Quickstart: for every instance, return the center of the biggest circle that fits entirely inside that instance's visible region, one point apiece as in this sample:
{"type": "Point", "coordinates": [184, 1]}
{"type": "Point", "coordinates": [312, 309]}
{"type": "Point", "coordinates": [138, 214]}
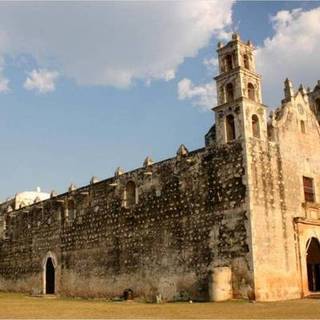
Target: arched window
{"type": "Point", "coordinates": [246, 61]}
{"type": "Point", "coordinates": [255, 126]}
{"type": "Point", "coordinates": [228, 63]}
{"type": "Point", "coordinates": [230, 128]}
{"type": "Point", "coordinates": [229, 92]}
{"type": "Point", "coordinates": [251, 93]}
{"type": "Point", "coordinates": [130, 194]}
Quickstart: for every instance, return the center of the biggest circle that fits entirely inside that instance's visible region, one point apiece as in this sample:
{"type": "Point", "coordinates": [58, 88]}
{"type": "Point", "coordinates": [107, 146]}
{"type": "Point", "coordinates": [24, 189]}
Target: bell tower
{"type": "Point", "coordinates": [239, 113]}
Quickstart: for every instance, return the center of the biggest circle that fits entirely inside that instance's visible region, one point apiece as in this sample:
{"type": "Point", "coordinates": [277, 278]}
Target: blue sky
{"type": "Point", "coordinates": [87, 88]}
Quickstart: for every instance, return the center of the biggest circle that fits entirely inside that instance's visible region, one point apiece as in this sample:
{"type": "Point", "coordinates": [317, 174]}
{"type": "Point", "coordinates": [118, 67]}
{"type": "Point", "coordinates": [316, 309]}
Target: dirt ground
{"type": "Point", "coordinates": [18, 306]}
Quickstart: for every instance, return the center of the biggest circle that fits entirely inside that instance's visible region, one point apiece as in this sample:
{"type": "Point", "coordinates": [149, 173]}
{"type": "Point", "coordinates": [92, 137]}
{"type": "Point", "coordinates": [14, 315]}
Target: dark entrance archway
{"type": "Point", "coordinates": [50, 277]}
{"type": "Point", "coordinates": [313, 264]}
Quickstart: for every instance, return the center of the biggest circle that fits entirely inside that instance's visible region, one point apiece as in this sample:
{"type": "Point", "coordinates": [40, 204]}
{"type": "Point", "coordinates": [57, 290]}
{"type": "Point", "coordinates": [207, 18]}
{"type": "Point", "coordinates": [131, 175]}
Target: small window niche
{"type": "Point", "coordinates": [230, 128]}
{"type": "Point", "coordinates": [130, 195]}
{"type": "Point", "coordinates": [71, 210]}
{"type": "Point", "coordinates": [255, 126]}
{"type": "Point", "coordinates": [308, 188]}
{"type": "Point", "coordinates": [230, 92]}
{"type": "Point", "coordinates": [251, 92]}
{"type": "Point", "coordinates": [222, 98]}
{"type": "Point", "coordinates": [246, 63]}
{"type": "Point", "coordinates": [302, 126]}
{"type": "Point", "coordinates": [228, 62]}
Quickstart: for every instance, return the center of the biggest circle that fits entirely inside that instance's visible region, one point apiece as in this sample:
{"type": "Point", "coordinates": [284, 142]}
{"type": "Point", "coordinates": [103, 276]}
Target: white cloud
{"type": "Point", "coordinates": [41, 80]}
{"type": "Point", "coordinates": [169, 75]}
{"type": "Point", "coordinates": [108, 43]}
{"type": "Point", "coordinates": [293, 52]}
{"type": "Point", "coordinates": [225, 35]}
{"type": "Point", "coordinates": [4, 84]}
{"type": "Point", "coordinates": [203, 96]}
{"type": "Point", "coordinates": [211, 63]}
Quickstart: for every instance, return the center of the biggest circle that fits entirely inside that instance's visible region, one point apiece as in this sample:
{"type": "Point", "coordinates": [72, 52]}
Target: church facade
{"type": "Point", "coordinates": [239, 218]}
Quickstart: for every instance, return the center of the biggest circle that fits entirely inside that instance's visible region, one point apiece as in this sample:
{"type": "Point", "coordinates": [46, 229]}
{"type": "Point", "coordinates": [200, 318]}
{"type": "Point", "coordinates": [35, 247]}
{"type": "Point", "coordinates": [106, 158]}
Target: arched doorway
{"type": "Point", "coordinates": [313, 264]}
{"type": "Point", "coordinates": [50, 277]}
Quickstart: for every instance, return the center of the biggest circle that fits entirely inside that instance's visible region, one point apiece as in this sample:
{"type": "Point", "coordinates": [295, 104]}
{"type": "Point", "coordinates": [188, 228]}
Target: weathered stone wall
{"type": "Point", "coordinates": [229, 211]}
{"type": "Point", "coordinates": [274, 257]}
{"type": "Point", "coordinates": [30, 233]}
{"type": "Point", "coordinates": [191, 216]}
{"type": "Point", "coordinates": [276, 170]}
{"type": "Point", "coordinates": [277, 157]}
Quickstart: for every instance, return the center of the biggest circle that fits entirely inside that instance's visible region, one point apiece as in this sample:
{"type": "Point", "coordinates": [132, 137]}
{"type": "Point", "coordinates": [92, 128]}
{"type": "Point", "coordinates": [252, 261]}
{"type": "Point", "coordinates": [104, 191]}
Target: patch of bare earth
{"type": "Point", "coordinates": [20, 306]}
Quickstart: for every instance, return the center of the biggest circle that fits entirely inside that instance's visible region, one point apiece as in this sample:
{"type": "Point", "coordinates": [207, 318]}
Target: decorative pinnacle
{"type": "Point", "coordinates": [235, 36]}
{"type": "Point", "coordinates": [119, 171]}
{"type": "Point", "coordinates": [148, 162]}
{"type": "Point", "coordinates": [288, 89]}
{"type": "Point", "coordinates": [72, 187]}
{"type": "Point", "coordinates": [37, 199]}
{"type": "Point", "coordinates": [94, 180]}
{"type": "Point", "coordinates": [302, 89]}
{"type": "Point", "coordinates": [53, 194]}
{"type": "Point", "coordinates": [288, 82]}
{"type": "Point", "coordinates": [182, 151]}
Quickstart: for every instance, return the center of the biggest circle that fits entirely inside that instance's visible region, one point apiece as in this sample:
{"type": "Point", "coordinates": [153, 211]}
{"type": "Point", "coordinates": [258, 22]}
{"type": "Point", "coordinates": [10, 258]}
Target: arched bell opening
{"type": "Point", "coordinates": [255, 126]}
{"type": "Point", "coordinates": [230, 128]}
{"type": "Point", "coordinates": [246, 62]}
{"type": "Point", "coordinates": [230, 92]}
{"type": "Point", "coordinates": [251, 92]}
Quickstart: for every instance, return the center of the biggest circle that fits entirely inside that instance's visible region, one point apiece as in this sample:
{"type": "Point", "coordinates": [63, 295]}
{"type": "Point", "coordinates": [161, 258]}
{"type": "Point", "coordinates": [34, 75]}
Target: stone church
{"type": "Point", "coordinates": [237, 218]}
